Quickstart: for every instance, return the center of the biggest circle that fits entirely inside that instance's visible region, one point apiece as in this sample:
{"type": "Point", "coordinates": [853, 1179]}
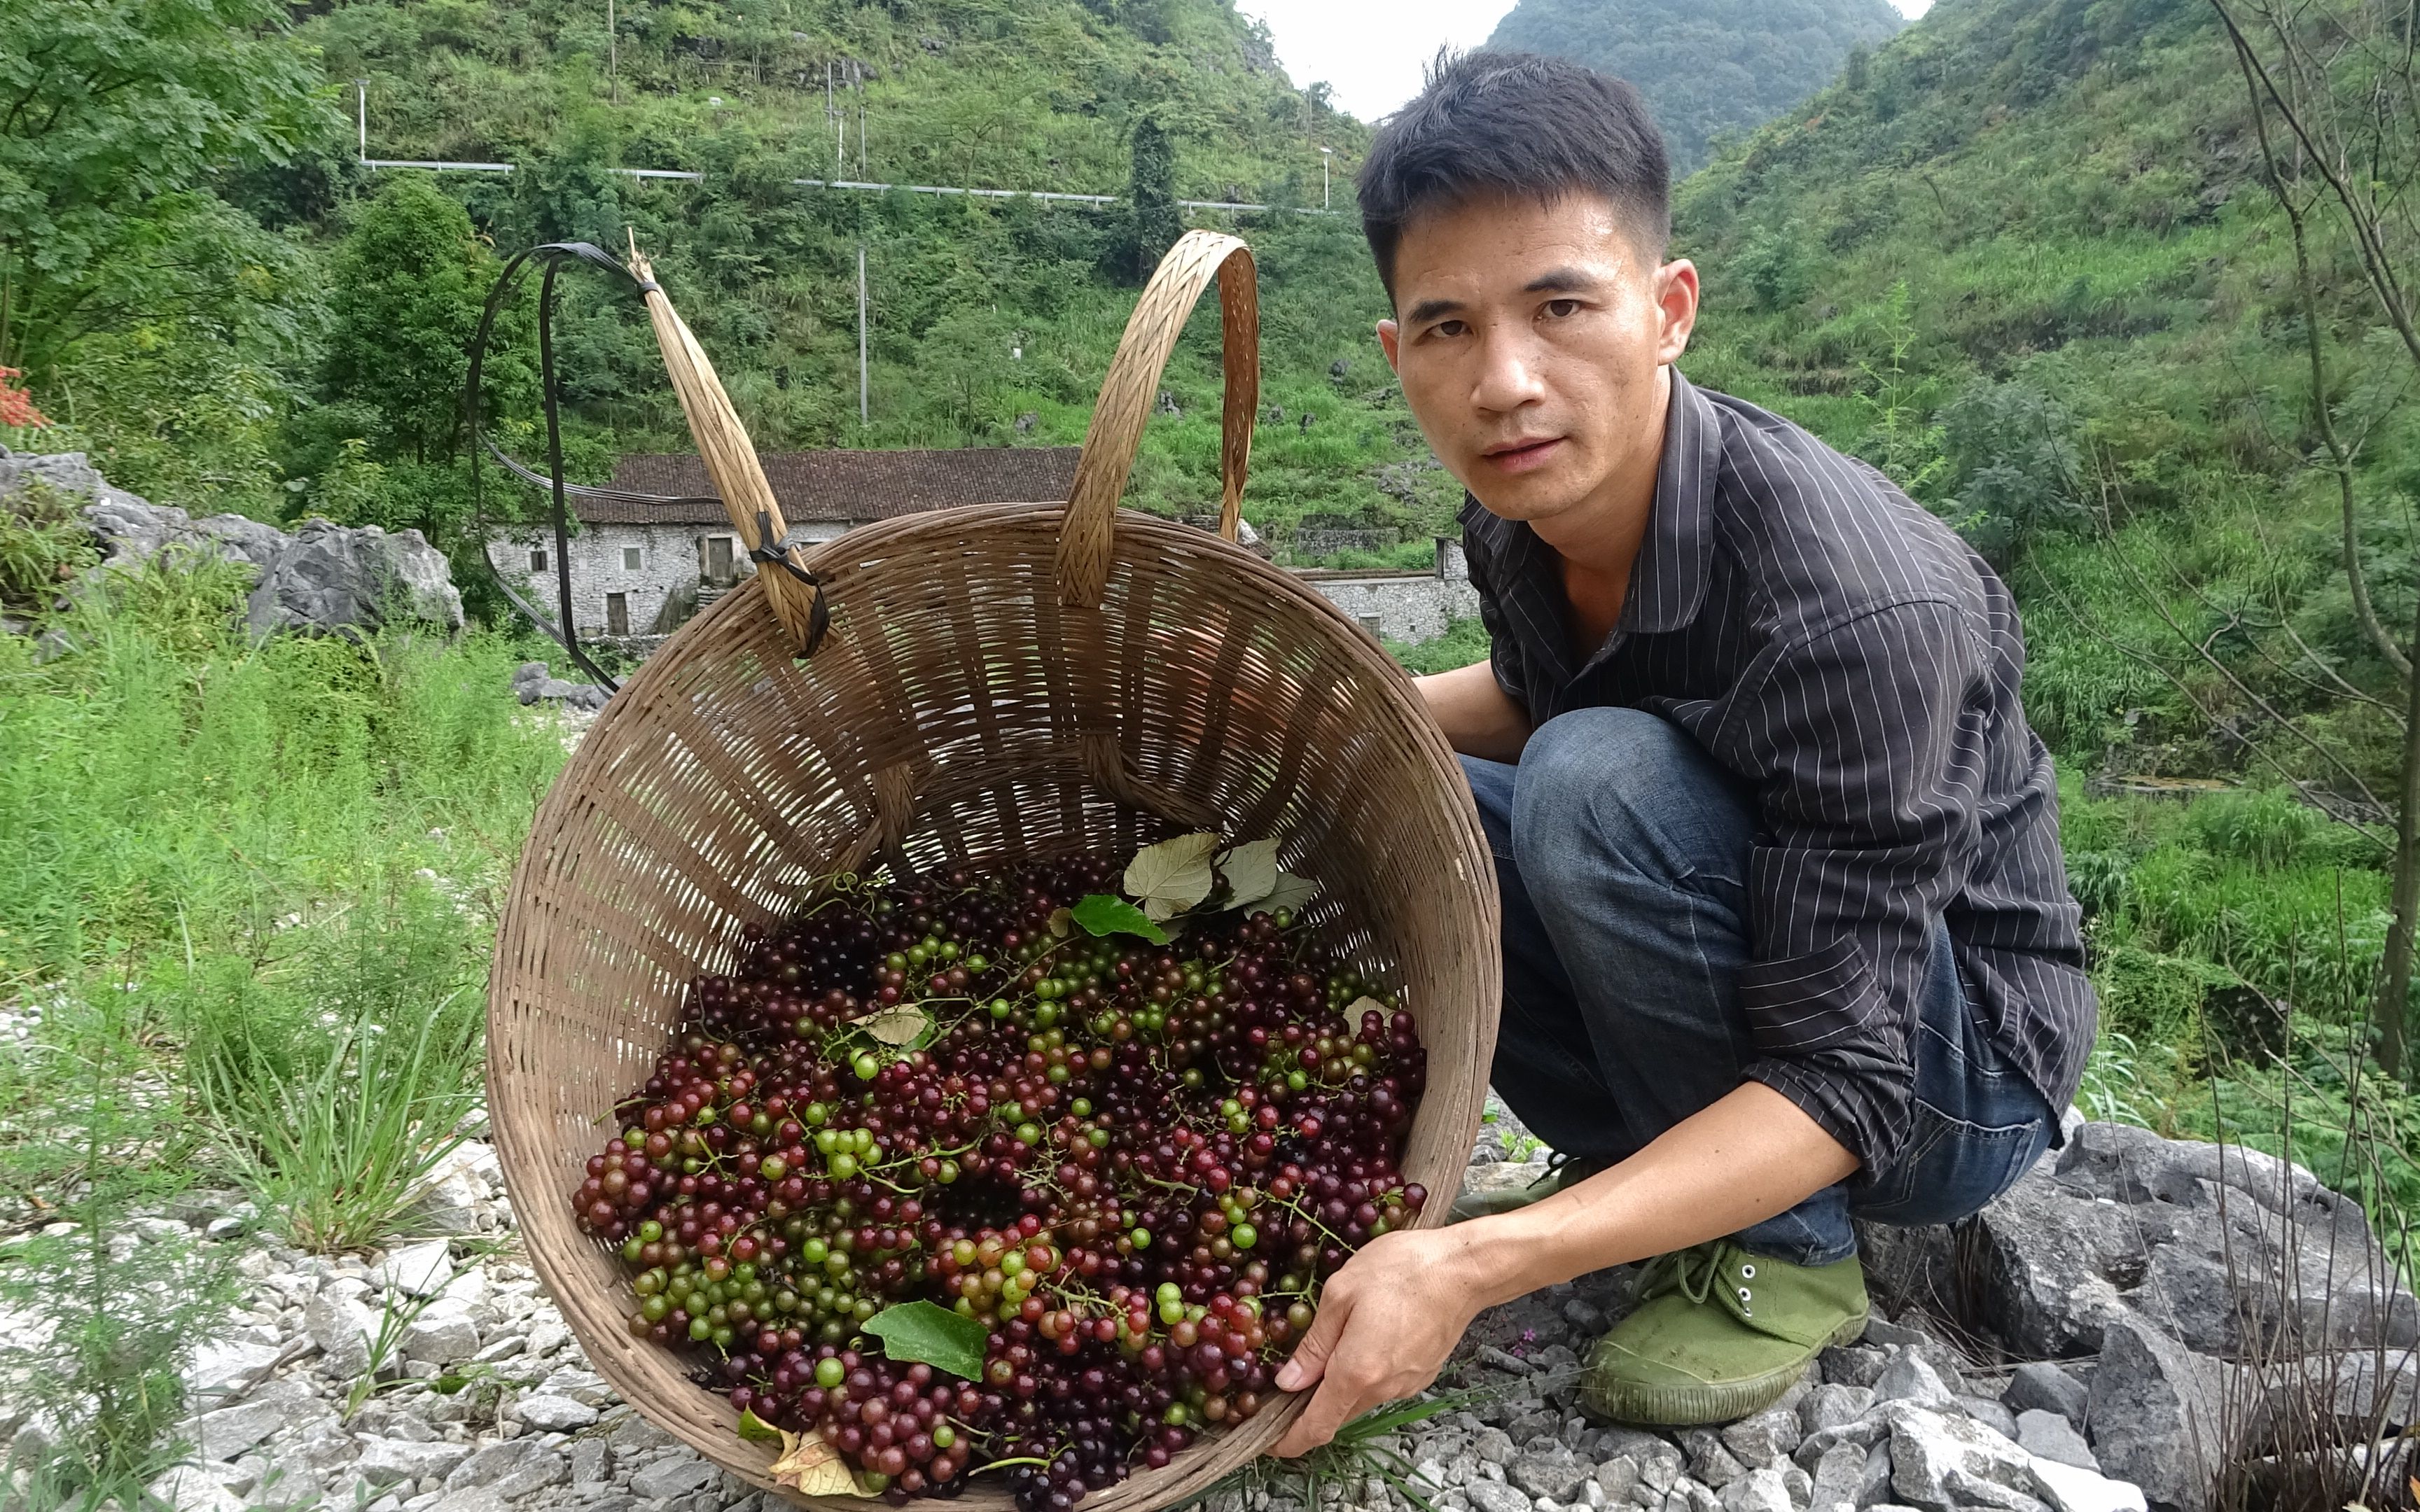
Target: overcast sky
{"type": "Point", "coordinates": [1371, 51]}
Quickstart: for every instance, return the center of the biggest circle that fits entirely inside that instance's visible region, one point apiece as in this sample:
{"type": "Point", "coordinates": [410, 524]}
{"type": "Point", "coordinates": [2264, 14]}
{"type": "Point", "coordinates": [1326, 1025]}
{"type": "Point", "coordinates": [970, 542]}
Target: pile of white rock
{"type": "Point", "coordinates": [437, 1377]}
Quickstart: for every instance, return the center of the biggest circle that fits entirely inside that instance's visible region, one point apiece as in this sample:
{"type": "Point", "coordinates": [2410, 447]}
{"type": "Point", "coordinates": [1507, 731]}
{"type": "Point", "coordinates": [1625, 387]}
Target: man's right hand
{"type": "Point", "coordinates": [1387, 1321]}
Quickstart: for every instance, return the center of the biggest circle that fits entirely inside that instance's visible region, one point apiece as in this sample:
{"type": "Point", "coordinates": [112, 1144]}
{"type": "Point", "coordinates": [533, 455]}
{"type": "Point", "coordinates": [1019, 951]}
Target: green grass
{"type": "Point", "coordinates": [255, 885]}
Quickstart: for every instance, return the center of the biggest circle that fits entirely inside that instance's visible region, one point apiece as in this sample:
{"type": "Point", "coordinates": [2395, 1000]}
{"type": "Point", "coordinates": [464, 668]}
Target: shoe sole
{"type": "Point", "coordinates": [1681, 1407]}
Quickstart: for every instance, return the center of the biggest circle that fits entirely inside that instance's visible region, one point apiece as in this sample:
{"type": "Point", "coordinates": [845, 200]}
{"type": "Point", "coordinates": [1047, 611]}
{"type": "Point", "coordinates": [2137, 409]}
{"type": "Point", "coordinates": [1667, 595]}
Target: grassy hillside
{"type": "Point", "coordinates": [324, 380]}
{"type": "Point", "coordinates": [1709, 69]}
{"type": "Point", "coordinates": [2022, 261]}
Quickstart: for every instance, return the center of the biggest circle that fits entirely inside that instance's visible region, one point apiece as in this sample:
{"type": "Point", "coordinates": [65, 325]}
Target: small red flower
{"type": "Point", "coordinates": [16, 405]}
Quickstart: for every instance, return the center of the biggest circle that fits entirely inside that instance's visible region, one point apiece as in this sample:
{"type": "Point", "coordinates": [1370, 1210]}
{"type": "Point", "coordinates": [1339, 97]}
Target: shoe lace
{"type": "Point", "coordinates": [1691, 1272]}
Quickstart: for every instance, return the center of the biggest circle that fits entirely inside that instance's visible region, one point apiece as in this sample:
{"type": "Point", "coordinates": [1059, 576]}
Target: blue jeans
{"type": "Point", "coordinates": [1621, 850]}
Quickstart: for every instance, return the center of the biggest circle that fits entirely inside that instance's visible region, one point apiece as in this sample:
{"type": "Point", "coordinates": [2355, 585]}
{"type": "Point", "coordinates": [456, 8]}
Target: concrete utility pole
{"type": "Point", "coordinates": [1324, 155]}
{"type": "Point", "coordinates": [612, 54]}
{"type": "Point", "coordinates": [862, 413]}
{"type": "Point", "coordinates": [362, 116]}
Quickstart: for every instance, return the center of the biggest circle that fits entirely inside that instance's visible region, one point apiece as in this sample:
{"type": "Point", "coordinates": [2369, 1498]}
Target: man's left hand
{"type": "Point", "coordinates": [1386, 1323]}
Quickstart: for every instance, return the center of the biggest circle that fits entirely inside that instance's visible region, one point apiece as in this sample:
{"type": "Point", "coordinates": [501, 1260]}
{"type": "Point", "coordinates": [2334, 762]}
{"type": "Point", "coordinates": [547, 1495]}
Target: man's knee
{"type": "Point", "coordinates": [1622, 782]}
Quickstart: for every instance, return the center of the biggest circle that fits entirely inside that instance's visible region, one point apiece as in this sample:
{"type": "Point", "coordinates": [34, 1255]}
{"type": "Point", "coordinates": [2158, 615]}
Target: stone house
{"type": "Point", "coordinates": [640, 570]}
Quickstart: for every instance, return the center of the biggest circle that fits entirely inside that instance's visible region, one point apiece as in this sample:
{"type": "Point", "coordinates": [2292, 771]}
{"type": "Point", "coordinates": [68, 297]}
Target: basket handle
{"type": "Point", "coordinates": [795, 593]}
{"type": "Point", "coordinates": [1085, 544]}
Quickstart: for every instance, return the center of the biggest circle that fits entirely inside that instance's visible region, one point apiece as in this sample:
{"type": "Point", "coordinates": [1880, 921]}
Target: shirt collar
{"type": "Point", "coordinates": [1667, 582]}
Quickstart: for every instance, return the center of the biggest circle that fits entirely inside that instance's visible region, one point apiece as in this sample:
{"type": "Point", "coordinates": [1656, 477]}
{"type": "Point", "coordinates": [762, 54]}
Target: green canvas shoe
{"type": "Point", "coordinates": [1719, 1334]}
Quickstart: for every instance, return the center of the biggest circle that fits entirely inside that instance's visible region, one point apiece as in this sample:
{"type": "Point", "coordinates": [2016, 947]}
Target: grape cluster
{"type": "Point", "coordinates": [1132, 1164]}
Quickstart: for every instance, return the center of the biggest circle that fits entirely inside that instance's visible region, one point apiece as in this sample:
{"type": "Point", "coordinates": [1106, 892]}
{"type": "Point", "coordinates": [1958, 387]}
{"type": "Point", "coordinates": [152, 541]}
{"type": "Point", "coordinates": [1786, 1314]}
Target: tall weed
{"type": "Point", "coordinates": [102, 1313]}
{"type": "Point", "coordinates": [335, 1080]}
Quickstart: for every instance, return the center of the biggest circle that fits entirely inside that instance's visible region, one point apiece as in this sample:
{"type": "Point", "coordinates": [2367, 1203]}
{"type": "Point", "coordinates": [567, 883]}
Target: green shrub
{"type": "Point", "coordinates": [44, 543]}
{"type": "Point", "coordinates": [335, 1079]}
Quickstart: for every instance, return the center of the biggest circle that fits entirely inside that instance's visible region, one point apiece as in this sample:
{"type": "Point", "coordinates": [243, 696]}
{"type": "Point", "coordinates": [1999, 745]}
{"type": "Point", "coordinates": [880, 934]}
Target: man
{"type": "Point", "coordinates": [1787, 934]}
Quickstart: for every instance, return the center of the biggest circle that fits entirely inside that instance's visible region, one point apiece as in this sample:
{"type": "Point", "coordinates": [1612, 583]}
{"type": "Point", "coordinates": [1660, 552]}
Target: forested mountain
{"type": "Point", "coordinates": [2028, 259]}
{"type": "Point", "coordinates": [301, 350]}
{"type": "Point", "coordinates": [1706, 67]}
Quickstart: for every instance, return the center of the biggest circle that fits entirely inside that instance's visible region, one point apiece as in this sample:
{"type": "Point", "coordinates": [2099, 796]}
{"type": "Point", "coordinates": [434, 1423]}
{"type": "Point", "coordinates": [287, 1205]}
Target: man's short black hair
{"type": "Point", "coordinates": [1518, 124]}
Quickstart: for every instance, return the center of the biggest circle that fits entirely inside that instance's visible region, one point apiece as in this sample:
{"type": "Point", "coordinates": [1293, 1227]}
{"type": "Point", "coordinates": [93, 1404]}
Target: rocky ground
{"type": "Point", "coordinates": [2124, 1272]}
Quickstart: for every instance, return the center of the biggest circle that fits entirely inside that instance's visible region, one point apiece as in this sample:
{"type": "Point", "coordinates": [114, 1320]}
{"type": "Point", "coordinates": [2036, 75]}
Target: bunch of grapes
{"type": "Point", "coordinates": [1128, 1164]}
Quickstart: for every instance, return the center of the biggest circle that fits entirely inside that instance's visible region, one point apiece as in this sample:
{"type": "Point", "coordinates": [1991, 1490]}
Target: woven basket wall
{"type": "Point", "coordinates": [996, 683]}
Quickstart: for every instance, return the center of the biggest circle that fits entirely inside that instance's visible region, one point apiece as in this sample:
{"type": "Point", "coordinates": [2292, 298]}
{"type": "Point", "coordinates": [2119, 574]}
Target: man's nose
{"type": "Point", "coordinates": [1510, 373]}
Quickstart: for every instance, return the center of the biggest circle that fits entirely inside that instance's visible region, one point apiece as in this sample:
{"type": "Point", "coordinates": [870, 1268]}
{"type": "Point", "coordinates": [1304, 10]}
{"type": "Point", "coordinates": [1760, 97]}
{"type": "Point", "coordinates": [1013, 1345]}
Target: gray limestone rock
{"type": "Point", "coordinates": [336, 577]}
{"type": "Point", "coordinates": [1766, 1440]}
{"type": "Point", "coordinates": [441, 1333]}
{"type": "Point", "coordinates": [1988, 1411]}
{"type": "Point", "coordinates": [1836, 1478]}
{"type": "Point", "coordinates": [1763, 1489]}
{"type": "Point", "coordinates": [1829, 1406]}
{"type": "Point", "coordinates": [344, 1329]}
{"type": "Point", "coordinates": [1909, 1379]}
{"type": "Point", "coordinates": [387, 1461]}
{"type": "Point", "coordinates": [554, 1415]}
{"type": "Point", "coordinates": [2155, 1415]}
{"type": "Point", "coordinates": [2068, 1489]}
{"type": "Point", "coordinates": [416, 1270]}
{"type": "Point", "coordinates": [1709, 1462]}
{"type": "Point", "coordinates": [1485, 1495]}
{"type": "Point", "coordinates": [222, 1373]}
{"type": "Point", "coordinates": [1857, 1365]}
{"type": "Point", "coordinates": [2051, 1436]}
{"type": "Point", "coordinates": [1548, 1471]}
{"type": "Point", "coordinates": [682, 1474]}
{"type": "Point", "coordinates": [2048, 1387]}
{"type": "Point", "coordinates": [1942, 1460]}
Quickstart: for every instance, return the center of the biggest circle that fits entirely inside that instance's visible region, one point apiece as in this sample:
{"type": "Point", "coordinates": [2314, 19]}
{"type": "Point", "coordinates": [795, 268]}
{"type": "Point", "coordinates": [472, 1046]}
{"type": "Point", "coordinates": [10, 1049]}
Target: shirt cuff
{"type": "Point", "coordinates": [1828, 1041]}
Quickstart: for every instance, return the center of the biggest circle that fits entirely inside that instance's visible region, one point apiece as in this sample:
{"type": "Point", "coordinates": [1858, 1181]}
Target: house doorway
{"type": "Point", "coordinates": [718, 564]}
{"type": "Point", "coordinates": [617, 614]}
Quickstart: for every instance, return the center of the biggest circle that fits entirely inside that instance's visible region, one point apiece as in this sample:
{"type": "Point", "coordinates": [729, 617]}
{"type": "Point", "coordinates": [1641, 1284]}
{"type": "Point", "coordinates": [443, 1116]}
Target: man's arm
{"type": "Point", "coordinates": [1389, 1318]}
{"type": "Point", "coordinates": [1479, 718]}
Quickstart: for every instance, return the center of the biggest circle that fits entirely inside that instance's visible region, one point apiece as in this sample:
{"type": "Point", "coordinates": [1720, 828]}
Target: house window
{"type": "Point", "coordinates": [538, 559]}
{"type": "Point", "coordinates": [630, 559]}
{"type": "Point", "coordinates": [617, 614]}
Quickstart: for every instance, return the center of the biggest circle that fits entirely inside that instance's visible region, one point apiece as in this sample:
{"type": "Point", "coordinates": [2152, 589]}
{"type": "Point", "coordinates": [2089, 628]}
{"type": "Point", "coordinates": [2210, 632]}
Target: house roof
{"type": "Point", "coordinates": [852, 487]}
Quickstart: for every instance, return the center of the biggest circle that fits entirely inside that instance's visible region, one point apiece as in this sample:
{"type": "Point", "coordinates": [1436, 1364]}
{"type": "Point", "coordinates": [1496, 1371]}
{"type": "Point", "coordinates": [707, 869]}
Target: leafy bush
{"type": "Point", "coordinates": [44, 543]}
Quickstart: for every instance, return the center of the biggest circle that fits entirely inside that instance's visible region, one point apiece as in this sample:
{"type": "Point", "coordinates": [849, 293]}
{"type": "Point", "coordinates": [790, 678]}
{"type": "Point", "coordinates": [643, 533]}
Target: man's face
{"type": "Point", "coordinates": [1530, 343]}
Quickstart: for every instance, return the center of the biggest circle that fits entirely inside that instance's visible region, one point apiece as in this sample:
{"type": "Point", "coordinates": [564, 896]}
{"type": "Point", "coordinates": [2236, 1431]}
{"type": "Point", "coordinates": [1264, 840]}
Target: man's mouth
{"type": "Point", "coordinates": [1521, 456]}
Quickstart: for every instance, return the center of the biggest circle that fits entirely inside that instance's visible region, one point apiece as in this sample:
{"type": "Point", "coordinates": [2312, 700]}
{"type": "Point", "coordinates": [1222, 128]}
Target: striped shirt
{"type": "Point", "coordinates": [1846, 655]}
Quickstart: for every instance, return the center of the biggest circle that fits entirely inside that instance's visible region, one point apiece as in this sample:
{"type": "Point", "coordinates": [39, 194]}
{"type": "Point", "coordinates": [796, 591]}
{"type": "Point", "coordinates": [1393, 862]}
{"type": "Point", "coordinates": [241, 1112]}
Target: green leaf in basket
{"type": "Point", "coordinates": [1251, 870]}
{"type": "Point", "coordinates": [911, 1330]}
{"type": "Point", "coordinates": [1290, 894]}
{"type": "Point", "coordinates": [756, 1431]}
{"type": "Point", "coordinates": [1175, 874]}
{"type": "Point", "coordinates": [1101, 914]}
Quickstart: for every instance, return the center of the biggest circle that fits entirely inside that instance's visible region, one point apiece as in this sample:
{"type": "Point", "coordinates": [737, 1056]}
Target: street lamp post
{"type": "Point", "coordinates": [1325, 154]}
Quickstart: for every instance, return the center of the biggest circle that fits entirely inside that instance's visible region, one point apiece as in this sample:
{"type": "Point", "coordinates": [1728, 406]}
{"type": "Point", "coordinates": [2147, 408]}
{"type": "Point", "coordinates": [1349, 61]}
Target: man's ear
{"type": "Point", "coordinates": [1389, 338]}
{"type": "Point", "coordinates": [1676, 301]}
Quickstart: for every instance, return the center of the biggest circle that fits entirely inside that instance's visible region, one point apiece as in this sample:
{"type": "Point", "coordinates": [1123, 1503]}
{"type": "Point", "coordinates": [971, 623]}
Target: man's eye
{"type": "Point", "coordinates": [1562, 309]}
{"type": "Point", "coordinates": [1447, 328]}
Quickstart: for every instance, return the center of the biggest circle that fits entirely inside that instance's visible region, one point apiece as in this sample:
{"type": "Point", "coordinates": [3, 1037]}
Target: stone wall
{"type": "Point", "coordinates": [669, 559]}
{"type": "Point", "coordinates": [1409, 607]}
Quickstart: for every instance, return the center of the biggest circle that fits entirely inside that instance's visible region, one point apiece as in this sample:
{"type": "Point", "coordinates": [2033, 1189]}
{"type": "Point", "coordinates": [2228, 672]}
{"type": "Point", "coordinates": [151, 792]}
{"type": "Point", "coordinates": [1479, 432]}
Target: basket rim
{"type": "Point", "coordinates": [836, 562]}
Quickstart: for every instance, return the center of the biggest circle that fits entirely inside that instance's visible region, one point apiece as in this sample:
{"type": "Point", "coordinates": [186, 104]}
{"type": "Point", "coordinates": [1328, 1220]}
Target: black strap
{"type": "Point", "coordinates": [550, 258]}
{"type": "Point", "coordinates": [773, 553]}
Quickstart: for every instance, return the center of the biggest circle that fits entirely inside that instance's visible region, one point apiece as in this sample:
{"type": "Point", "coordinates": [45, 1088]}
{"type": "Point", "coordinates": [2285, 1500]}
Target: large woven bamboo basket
{"type": "Point", "coordinates": [993, 683]}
